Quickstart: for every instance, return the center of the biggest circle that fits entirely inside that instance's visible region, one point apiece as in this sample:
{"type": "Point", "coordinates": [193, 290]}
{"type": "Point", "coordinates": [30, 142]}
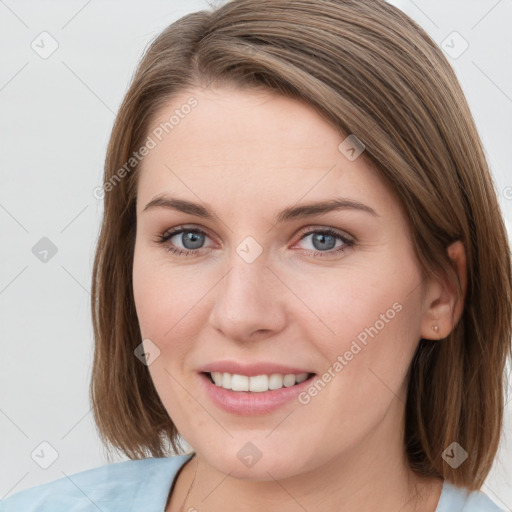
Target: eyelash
{"type": "Point", "coordinates": [163, 238]}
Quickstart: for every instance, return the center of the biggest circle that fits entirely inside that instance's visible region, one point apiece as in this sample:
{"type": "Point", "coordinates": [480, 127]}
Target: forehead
{"type": "Point", "coordinates": [250, 146]}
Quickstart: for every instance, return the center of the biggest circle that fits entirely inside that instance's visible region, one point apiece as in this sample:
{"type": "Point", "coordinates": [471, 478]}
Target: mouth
{"type": "Point", "coordinates": [256, 388]}
{"type": "Point", "coordinates": [256, 383]}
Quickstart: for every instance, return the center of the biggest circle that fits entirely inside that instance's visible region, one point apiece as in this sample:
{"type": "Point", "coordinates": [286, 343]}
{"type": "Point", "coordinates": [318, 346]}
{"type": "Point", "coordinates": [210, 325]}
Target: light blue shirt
{"type": "Point", "coordinates": [144, 486]}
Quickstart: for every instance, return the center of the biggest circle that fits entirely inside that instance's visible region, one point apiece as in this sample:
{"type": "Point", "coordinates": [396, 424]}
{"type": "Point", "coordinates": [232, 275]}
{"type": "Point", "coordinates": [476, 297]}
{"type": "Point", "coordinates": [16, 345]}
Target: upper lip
{"type": "Point", "coordinates": [251, 369]}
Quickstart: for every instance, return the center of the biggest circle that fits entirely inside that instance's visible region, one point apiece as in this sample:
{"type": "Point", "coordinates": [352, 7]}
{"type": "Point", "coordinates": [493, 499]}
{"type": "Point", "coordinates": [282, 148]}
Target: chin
{"type": "Point", "coordinates": [256, 461]}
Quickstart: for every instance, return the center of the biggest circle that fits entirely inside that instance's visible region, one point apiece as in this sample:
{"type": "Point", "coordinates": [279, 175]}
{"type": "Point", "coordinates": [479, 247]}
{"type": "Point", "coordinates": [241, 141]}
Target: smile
{"type": "Point", "coordinates": [244, 395]}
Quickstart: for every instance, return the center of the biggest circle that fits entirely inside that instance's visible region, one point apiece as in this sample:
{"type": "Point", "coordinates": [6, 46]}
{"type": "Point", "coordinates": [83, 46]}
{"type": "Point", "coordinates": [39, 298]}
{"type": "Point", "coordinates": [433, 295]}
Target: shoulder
{"type": "Point", "coordinates": [459, 499]}
{"type": "Point", "coordinates": [110, 488]}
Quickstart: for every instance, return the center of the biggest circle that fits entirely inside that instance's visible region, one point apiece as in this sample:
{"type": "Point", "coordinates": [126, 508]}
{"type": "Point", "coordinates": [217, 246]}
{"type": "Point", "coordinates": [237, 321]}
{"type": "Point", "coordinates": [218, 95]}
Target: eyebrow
{"type": "Point", "coordinates": [288, 214]}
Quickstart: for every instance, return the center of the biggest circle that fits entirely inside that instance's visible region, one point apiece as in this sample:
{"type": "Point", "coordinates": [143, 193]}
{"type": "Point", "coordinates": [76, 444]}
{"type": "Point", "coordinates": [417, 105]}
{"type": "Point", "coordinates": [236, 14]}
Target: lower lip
{"type": "Point", "coordinates": [249, 403]}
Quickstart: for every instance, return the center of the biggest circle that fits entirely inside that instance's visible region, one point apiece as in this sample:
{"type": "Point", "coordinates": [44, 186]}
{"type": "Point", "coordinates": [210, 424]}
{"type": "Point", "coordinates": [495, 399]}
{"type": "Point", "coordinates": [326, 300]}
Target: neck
{"type": "Point", "coordinates": [374, 475]}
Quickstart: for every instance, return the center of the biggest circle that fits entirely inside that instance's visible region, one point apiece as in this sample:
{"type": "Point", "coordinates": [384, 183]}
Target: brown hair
{"type": "Point", "coordinates": [372, 72]}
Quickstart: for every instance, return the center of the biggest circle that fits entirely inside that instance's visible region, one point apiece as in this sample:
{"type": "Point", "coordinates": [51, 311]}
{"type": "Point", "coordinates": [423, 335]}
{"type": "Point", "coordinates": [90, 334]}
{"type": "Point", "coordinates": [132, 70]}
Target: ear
{"type": "Point", "coordinates": [443, 308]}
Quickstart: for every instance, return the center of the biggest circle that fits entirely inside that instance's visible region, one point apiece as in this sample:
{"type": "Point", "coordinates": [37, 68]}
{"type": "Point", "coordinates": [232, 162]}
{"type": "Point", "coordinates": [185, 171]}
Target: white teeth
{"type": "Point", "coordinates": [289, 380]}
{"type": "Point", "coordinates": [217, 378]}
{"type": "Point", "coordinates": [239, 383]}
{"type": "Point", "coordinates": [258, 383]}
{"type": "Point", "coordinates": [226, 380]}
{"type": "Point", "coordinates": [275, 381]}
{"type": "Point", "coordinates": [301, 378]}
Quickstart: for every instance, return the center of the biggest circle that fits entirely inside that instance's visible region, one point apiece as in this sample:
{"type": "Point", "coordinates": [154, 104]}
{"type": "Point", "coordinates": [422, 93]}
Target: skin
{"type": "Point", "coordinates": [246, 155]}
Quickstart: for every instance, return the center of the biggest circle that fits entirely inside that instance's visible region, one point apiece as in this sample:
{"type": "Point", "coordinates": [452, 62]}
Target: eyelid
{"type": "Point", "coordinates": [321, 228]}
{"type": "Point", "coordinates": [185, 227]}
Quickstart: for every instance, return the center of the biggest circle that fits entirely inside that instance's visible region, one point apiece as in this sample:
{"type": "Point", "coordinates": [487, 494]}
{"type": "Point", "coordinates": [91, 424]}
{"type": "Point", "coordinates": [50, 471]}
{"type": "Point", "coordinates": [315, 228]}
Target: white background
{"type": "Point", "coordinates": [57, 114]}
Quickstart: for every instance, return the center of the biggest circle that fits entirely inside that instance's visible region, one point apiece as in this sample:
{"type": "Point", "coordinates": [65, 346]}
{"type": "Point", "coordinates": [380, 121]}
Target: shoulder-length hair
{"type": "Point", "coordinates": [372, 72]}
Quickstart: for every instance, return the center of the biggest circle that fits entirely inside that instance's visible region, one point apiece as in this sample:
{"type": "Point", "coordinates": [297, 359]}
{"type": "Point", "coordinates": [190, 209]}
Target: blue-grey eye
{"type": "Point", "coordinates": [322, 242]}
{"type": "Point", "coordinates": [192, 239]}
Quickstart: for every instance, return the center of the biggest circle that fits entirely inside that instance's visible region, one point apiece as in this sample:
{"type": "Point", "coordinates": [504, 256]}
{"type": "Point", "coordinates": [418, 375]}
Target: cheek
{"type": "Point", "coordinates": [167, 301]}
{"type": "Point", "coordinates": [345, 306]}
{"type": "Point", "coordinates": [168, 308]}
{"type": "Point", "coordinates": [365, 324]}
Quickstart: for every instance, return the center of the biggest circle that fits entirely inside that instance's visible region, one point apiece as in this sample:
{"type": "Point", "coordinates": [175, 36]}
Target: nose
{"type": "Point", "coordinates": [248, 302]}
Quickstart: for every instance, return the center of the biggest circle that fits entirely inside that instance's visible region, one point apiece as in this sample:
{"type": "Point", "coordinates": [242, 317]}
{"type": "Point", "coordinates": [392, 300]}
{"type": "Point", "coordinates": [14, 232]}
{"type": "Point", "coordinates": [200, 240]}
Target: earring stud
{"type": "Point", "coordinates": [435, 328]}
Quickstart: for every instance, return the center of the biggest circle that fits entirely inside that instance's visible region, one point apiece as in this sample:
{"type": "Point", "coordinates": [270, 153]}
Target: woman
{"type": "Point", "coordinates": [302, 271]}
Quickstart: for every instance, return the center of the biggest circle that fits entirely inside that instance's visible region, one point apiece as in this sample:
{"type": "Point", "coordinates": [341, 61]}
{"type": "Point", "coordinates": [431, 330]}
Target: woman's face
{"type": "Point", "coordinates": [290, 257]}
